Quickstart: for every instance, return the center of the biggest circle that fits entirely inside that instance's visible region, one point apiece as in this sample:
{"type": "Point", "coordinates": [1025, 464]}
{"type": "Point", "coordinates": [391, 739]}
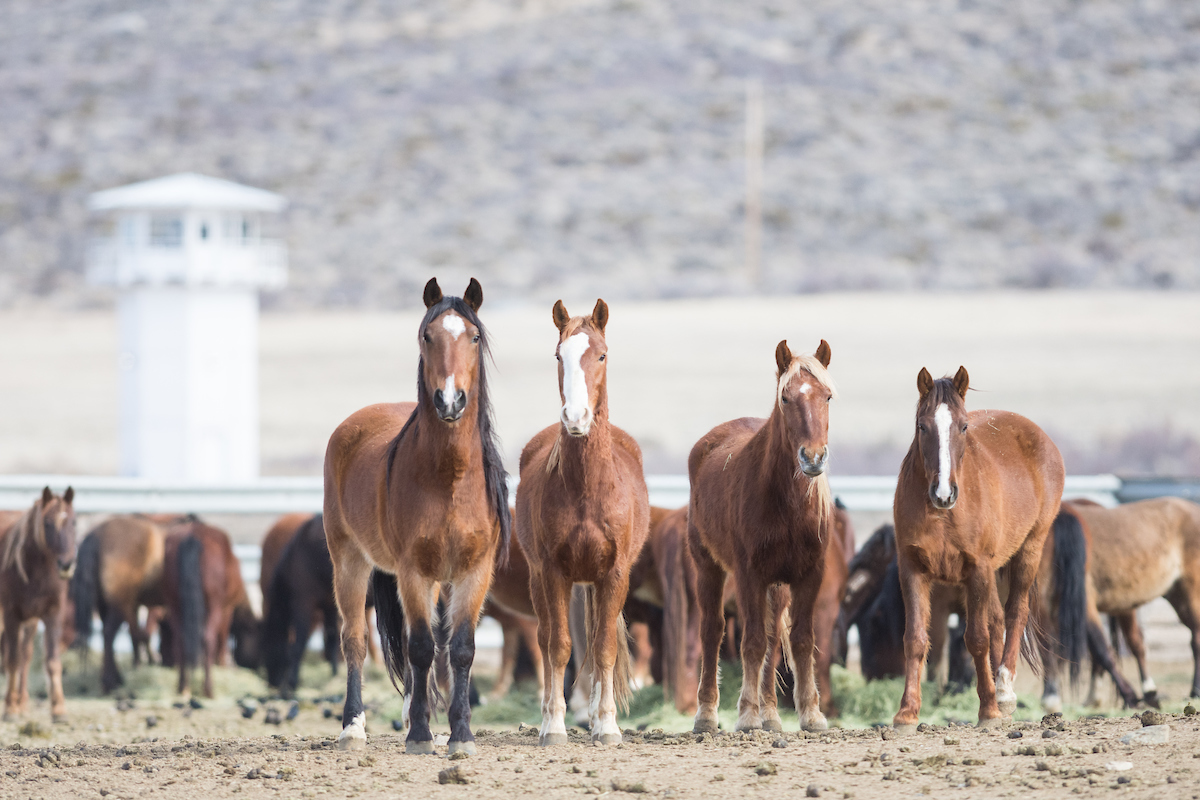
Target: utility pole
{"type": "Point", "coordinates": [754, 179]}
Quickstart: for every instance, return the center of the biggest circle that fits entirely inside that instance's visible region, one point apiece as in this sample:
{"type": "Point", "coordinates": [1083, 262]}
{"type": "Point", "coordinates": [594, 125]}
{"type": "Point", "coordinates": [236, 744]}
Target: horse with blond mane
{"type": "Point", "coordinates": [761, 509]}
{"type": "Point", "coordinates": [417, 492]}
{"type": "Point", "coordinates": [977, 491]}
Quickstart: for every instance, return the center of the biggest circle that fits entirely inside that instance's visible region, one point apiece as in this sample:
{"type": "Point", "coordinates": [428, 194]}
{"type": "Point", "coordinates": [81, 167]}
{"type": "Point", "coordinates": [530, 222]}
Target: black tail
{"type": "Point", "coordinates": [389, 619]}
{"type": "Point", "coordinates": [1070, 586]}
{"type": "Point", "coordinates": [191, 599]}
{"type": "Point", "coordinates": [275, 629]}
{"type": "Point", "coordinates": [85, 589]}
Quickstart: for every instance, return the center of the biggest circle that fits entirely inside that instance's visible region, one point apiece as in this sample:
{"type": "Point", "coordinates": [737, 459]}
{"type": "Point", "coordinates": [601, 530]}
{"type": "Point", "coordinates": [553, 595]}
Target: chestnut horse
{"type": "Point", "coordinates": [761, 509]}
{"type": "Point", "coordinates": [977, 491]}
{"type": "Point", "coordinates": [418, 491]}
{"type": "Point", "coordinates": [510, 604]}
{"type": "Point", "coordinates": [206, 600]}
{"type": "Point", "coordinates": [119, 569]}
{"type": "Point", "coordinates": [583, 514]}
{"type": "Point", "coordinates": [37, 557]}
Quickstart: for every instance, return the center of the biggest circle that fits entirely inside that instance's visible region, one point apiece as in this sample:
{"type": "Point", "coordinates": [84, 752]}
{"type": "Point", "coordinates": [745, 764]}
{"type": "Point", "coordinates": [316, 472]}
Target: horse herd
{"type": "Point", "coordinates": [417, 523]}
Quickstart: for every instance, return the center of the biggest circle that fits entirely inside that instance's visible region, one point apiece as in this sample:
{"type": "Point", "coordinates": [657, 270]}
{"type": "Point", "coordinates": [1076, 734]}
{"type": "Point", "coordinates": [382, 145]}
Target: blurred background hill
{"type": "Point", "coordinates": [597, 144]}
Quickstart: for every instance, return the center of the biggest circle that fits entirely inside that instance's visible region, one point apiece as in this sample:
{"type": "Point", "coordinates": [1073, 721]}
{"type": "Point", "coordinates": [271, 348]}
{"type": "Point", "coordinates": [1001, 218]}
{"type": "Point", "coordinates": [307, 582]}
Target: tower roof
{"type": "Point", "coordinates": [187, 190]}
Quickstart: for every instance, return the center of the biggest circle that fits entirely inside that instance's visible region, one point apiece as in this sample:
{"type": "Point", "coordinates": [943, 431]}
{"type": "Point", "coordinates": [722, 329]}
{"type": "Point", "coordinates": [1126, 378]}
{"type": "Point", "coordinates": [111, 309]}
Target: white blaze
{"type": "Point", "coordinates": [454, 325]}
{"type": "Point", "coordinates": [942, 418]}
{"type": "Point", "coordinates": [575, 390]}
{"type": "Point", "coordinates": [805, 388]}
{"type": "Point", "coordinates": [448, 389]}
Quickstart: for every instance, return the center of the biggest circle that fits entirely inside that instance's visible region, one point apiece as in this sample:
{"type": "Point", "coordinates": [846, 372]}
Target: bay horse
{"type": "Point", "coordinates": [418, 492]}
{"type": "Point", "coordinates": [206, 601]}
{"type": "Point", "coordinates": [977, 491]}
{"type": "Point", "coordinates": [37, 557]}
{"type": "Point", "coordinates": [273, 544]}
{"type": "Point", "coordinates": [1140, 551]}
{"type": "Point", "coordinates": [119, 570]}
{"type": "Point", "coordinates": [583, 514]}
{"type": "Point", "coordinates": [761, 509]}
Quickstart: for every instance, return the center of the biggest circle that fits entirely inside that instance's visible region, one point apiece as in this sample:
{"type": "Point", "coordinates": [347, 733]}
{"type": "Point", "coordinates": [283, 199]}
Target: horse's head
{"type": "Point", "coordinates": [58, 529]}
{"type": "Point", "coordinates": [942, 433]}
{"type": "Point", "coordinates": [582, 368]}
{"type": "Point", "coordinates": [802, 398]}
{"type": "Point", "coordinates": [450, 339]}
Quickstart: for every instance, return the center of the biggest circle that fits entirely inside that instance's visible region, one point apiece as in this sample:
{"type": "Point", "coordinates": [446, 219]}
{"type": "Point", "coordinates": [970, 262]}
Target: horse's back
{"type": "Point", "coordinates": [274, 543]}
{"type": "Point", "coordinates": [358, 445]}
{"type": "Point", "coordinates": [725, 440]}
{"type": "Point", "coordinates": [132, 551]}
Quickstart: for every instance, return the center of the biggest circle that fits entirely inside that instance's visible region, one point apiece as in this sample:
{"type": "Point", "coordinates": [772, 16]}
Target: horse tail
{"type": "Point", "coordinates": [1070, 588]}
{"type": "Point", "coordinates": [622, 670]}
{"type": "Point", "coordinates": [1035, 638]}
{"type": "Point", "coordinates": [389, 618]}
{"type": "Point", "coordinates": [85, 589]}
{"type": "Point", "coordinates": [191, 598]}
{"type": "Point", "coordinates": [275, 628]}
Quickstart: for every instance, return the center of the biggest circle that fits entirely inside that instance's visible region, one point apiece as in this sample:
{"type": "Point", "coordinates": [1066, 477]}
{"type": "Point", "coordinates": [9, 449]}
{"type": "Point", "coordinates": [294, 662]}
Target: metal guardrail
{"type": "Point", "coordinates": [111, 495]}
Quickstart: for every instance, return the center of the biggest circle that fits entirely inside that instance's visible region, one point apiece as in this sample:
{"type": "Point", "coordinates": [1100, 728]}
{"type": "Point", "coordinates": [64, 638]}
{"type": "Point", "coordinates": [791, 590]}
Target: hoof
{"type": "Point", "coordinates": [817, 722]}
{"type": "Point", "coordinates": [58, 719]}
{"type": "Point", "coordinates": [774, 725]}
{"type": "Point", "coordinates": [553, 739]}
{"type": "Point", "coordinates": [991, 722]}
{"type": "Point", "coordinates": [352, 738]}
{"type": "Point", "coordinates": [1151, 699]}
{"type": "Point", "coordinates": [607, 738]}
{"type": "Point", "coordinates": [705, 726]}
{"type": "Point", "coordinates": [1052, 704]}
{"type": "Point", "coordinates": [462, 747]}
{"type": "Point", "coordinates": [419, 748]}
{"type": "Point", "coordinates": [905, 728]}
{"type": "Point", "coordinates": [1007, 705]}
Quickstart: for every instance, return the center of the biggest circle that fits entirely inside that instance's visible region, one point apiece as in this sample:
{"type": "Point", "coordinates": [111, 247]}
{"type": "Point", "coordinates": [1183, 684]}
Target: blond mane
{"type": "Point", "coordinates": [31, 523]}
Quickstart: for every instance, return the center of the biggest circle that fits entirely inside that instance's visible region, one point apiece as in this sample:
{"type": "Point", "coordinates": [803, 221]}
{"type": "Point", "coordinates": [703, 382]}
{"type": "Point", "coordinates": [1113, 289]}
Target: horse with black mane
{"type": "Point", "coordinates": [417, 492]}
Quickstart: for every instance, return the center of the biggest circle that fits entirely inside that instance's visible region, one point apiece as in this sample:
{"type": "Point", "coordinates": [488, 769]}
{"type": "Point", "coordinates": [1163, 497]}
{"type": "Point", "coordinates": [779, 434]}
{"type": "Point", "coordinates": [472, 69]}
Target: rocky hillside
{"type": "Point", "coordinates": [597, 144]}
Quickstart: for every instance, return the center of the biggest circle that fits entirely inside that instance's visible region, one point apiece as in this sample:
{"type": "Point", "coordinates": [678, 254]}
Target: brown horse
{"type": "Point", "coordinates": [1140, 551]}
{"type": "Point", "coordinates": [418, 491]}
{"type": "Point", "coordinates": [977, 491]}
{"type": "Point", "coordinates": [37, 557]}
{"type": "Point", "coordinates": [761, 509]}
{"type": "Point", "coordinates": [583, 514]}
{"type": "Point", "coordinates": [676, 580]}
{"type": "Point", "coordinates": [273, 545]}
{"type": "Point", "coordinates": [206, 600]}
{"type": "Point", "coordinates": [119, 569]}
{"type": "Point", "coordinates": [510, 604]}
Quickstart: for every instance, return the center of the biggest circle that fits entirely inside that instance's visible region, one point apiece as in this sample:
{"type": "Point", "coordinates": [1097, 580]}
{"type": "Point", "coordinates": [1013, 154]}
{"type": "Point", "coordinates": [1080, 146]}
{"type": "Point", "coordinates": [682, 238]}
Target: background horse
{"type": "Point", "coordinates": [273, 545]}
{"type": "Point", "coordinates": [510, 604]}
{"type": "Point", "coordinates": [976, 491]}
{"type": "Point", "coordinates": [761, 509]}
{"type": "Point", "coordinates": [418, 491]}
{"type": "Point", "coordinates": [583, 514]}
{"type": "Point", "coordinates": [37, 557]}
{"type": "Point", "coordinates": [206, 601]}
{"type": "Point", "coordinates": [119, 569]}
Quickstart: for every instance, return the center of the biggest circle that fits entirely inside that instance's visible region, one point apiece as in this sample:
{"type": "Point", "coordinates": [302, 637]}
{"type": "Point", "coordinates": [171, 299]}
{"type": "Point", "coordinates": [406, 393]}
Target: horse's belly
{"type": "Point", "coordinates": [446, 557]}
{"type": "Point", "coordinates": [1126, 589]}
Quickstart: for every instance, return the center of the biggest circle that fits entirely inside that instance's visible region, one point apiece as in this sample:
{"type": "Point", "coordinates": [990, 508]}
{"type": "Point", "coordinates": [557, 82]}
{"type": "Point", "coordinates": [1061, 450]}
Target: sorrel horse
{"type": "Point", "coordinates": [206, 600]}
{"type": "Point", "coordinates": [510, 604]}
{"type": "Point", "coordinates": [761, 509]}
{"type": "Point", "coordinates": [680, 600]}
{"type": "Point", "coordinates": [977, 491]}
{"type": "Point", "coordinates": [418, 491]}
{"type": "Point", "coordinates": [37, 557]}
{"type": "Point", "coordinates": [119, 569]}
{"type": "Point", "coordinates": [1140, 551]}
{"type": "Point", "coordinates": [583, 514]}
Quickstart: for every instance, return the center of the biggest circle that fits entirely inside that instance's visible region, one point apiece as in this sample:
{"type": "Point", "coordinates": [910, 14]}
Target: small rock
{"type": "Point", "coordinates": [1151, 718]}
{"type": "Point", "coordinates": [779, 743]}
{"type": "Point", "coordinates": [1015, 734]}
{"type": "Point", "coordinates": [1027, 750]}
{"type": "Point", "coordinates": [327, 713]}
{"type": "Point", "coordinates": [1118, 766]}
{"type": "Point", "coordinates": [273, 716]}
{"type": "Point", "coordinates": [1189, 710]}
{"type": "Point", "coordinates": [764, 768]}
{"type": "Point", "coordinates": [922, 728]}
{"type": "Point", "coordinates": [366, 761]}
{"type": "Point", "coordinates": [1049, 734]}
{"type": "Point", "coordinates": [1151, 734]}
{"type": "Point", "coordinates": [195, 704]}
{"type": "Point", "coordinates": [397, 725]}
{"type": "Point", "coordinates": [459, 755]}
{"type": "Point", "coordinates": [812, 791]}
{"type": "Point", "coordinates": [455, 774]}
{"type": "Point", "coordinates": [249, 707]}
{"type": "Point", "coordinates": [151, 721]}
{"type": "Point", "coordinates": [1123, 779]}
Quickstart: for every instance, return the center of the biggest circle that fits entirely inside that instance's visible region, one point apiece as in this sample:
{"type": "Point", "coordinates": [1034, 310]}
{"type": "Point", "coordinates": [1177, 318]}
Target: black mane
{"type": "Point", "coordinates": [494, 476]}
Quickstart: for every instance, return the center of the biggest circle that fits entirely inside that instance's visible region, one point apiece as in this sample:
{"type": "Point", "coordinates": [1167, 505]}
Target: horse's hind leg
{"type": "Point", "coordinates": [110, 675]}
{"type": "Point", "coordinates": [52, 644]}
{"type": "Point", "coordinates": [803, 645]}
{"type": "Point", "coordinates": [465, 604]}
{"type": "Point", "coordinates": [1137, 645]}
{"type": "Point", "coordinates": [552, 594]}
{"type": "Point", "coordinates": [1022, 571]}
{"type": "Point", "coordinates": [10, 642]}
{"type": "Point", "coordinates": [1184, 597]}
{"type": "Point", "coordinates": [351, 572]}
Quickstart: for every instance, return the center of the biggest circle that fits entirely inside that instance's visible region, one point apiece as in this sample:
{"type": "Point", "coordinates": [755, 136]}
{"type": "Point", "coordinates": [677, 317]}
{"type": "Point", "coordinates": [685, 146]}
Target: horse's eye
{"type": "Point", "coordinates": [783, 399]}
{"type": "Point", "coordinates": [475, 339]}
{"type": "Point", "coordinates": [964, 429]}
{"type": "Point", "coordinates": [557, 356]}
{"type": "Point", "coordinates": [427, 339]}
{"type": "Point", "coordinates": [921, 427]}
{"type": "Point", "coordinates": [602, 355]}
{"type": "Point", "coordinates": [829, 399]}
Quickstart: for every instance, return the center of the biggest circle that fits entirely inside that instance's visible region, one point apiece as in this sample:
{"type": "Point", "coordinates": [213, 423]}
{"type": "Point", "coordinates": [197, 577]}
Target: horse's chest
{"type": "Point", "coordinates": [456, 545]}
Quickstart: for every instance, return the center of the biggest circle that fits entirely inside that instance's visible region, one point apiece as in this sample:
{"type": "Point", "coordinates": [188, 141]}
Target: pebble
{"type": "Point", "coordinates": [455, 774]}
{"type": "Point", "coordinates": [1151, 734]}
{"type": "Point", "coordinates": [1049, 734]}
{"type": "Point", "coordinates": [1015, 734]}
{"type": "Point", "coordinates": [812, 791]}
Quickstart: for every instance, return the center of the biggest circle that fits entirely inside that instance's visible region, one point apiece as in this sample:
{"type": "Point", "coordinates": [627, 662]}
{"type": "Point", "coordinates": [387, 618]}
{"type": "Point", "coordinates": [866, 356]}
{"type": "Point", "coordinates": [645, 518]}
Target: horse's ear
{"type": "Point", "coordinates": [823, 353]}
{"type": "Point", "coordinates": [561, 317]}
{"type": "Point", "coordinates": [47, 495]}
{"type": "Point", "coordinates": [783, 358]}
{"type": "Point", "coordinates": [600, 315]}
{"type": "Point", "coordinates": [473, 296]}
{"type": "Point", "coordinates": [924, 382]}
{"type": "Point", "coordinates": [69, 495]}
{"type": "Point", "coordinates": [962, 382]}
{"type": "Point", "coordinates": [433, 293]}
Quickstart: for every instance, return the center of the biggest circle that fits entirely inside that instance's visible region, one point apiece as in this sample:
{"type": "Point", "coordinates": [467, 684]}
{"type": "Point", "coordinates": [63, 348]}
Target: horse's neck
{"type": "Point", "coordinates": [587, 461]}
{"type": "Point", "coordinates": [769, 449]}
{"type": "Point", "coordinates": [453, 449]}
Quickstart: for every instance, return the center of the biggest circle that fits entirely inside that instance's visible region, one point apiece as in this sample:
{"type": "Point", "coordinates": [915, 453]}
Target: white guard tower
{"type": "Point", "coordinates": [187, 256]}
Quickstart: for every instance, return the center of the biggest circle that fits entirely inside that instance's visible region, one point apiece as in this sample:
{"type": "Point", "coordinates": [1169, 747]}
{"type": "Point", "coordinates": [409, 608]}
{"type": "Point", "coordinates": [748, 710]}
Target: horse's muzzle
{"type": "Point", "coordinates": [939, 503]}
{"type": "Point", "coordinates": [811, 464]}
{"type": "Point", "coordinates": [449, 410]}
{"type": "Point", "coordinates": [577, 427]}
{"type": "Point", "coordinates": [66, 571]}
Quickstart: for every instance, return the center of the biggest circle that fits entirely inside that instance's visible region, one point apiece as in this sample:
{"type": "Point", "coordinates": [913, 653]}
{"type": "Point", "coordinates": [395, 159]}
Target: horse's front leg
{"type": "Point", "coordinates": [803, 644]}
{"type": "Point", "coordinates": [710, 582]}
{"type": "Point", "coordinates": [556, 602]}
{"type": "Point", "coordinates": [465, 605]}
{"type": "Point", "coordinates": [915, 588]}
{"type": "Point", "coordinates": [981, 597]}
{"type": "Point", "coordinates": [53, 647]}
{"type": "Point", "coordinates": [1137, 645]}
{"type": "Point", "coordinates": [419, 599]}
{"type": "Point", "coordinates": [752, 608]}
{"type": "Point", "coordinates": [608, 627]}
{"type": "Point", "coordinates": [25, 659]}
{"type": "Point", "coordinates": [10, 642]}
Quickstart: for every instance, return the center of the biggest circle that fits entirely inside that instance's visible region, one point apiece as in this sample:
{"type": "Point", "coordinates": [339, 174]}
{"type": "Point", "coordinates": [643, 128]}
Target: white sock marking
{"type": "Point", "coordinates": [942, 418]}
{"type": "Point", "coordinates": [454, 325]}
{"type": "Point", "coordinates": [575, 390]}
{"type": "Point", "coordinates": [1148, 686]}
